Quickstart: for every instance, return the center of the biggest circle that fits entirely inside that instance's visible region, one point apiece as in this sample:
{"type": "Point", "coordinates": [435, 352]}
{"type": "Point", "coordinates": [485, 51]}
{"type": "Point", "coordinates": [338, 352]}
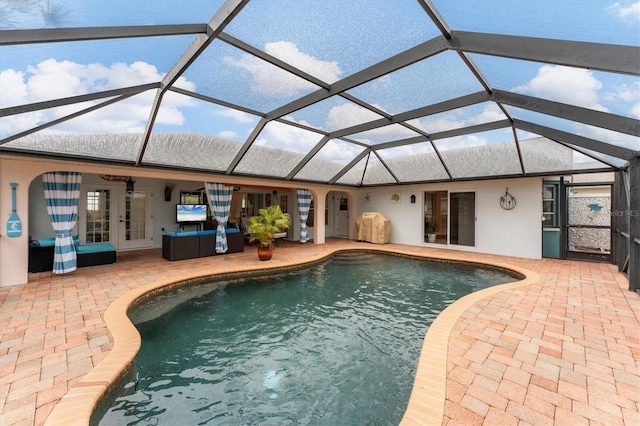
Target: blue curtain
{"type": "Point", "coordinates": [304, 204]}
{"type": "Point", "coordinates": [219, 196]}
{"type": "Point", "coordinates": [61, 194]}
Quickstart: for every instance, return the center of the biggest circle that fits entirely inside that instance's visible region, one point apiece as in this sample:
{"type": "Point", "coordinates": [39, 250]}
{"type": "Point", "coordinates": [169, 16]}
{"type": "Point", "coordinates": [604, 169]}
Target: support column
{"type": "Point", "coordinates": [634, 224]}
{"type": "Point", "coordinates": [14, 250]}
{"type": "Point", "coordinates": [319, 204]}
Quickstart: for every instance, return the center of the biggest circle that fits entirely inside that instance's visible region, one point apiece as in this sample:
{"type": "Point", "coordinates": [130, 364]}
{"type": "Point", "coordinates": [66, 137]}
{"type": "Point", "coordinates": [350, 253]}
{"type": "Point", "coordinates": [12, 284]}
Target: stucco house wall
{"type": "Point", "coordinates": [516, 232]}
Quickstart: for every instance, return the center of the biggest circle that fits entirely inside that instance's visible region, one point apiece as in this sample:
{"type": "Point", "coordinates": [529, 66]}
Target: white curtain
{"type": "Point", "coordinates": [304, 204]}
{"type": "Point", "coordinates": [61, 194]}
{"type": "Point", "coordinates": [219, 196]}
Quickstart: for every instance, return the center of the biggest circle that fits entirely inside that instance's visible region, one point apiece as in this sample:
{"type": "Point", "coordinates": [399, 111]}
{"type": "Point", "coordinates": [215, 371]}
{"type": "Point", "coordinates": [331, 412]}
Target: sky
{"type": "Point", "coordinates": [329, 39]}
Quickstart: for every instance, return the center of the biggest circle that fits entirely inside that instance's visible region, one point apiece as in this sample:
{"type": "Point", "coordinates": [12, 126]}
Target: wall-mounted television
{"type": "Point", "coordinates": [191, 213]}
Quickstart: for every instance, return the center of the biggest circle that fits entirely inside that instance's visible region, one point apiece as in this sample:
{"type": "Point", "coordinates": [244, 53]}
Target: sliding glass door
{"type": "Point", "coordinates": [450, 218]}
{"type": "Point", "coordinates": [463, 219]}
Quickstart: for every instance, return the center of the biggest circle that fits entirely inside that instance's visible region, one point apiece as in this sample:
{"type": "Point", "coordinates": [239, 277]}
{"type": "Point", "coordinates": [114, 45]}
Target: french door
{"type": "Point", "coordinates": [134, 220]}
{"type": "Point", "coordinates": [95, 218]}
{"type": "Point", "coordinates": [109, 215]}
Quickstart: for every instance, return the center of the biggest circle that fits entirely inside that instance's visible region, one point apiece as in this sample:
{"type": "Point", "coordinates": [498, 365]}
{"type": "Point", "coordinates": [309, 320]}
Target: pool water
{"type": "Point", "coordinates": [335, 344]}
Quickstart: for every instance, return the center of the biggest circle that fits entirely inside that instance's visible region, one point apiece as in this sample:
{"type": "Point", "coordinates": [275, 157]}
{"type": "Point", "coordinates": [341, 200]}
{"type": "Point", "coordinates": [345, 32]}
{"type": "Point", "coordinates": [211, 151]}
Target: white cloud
{"type": "Point", "coordinates": [565, 84]}
{"type": "Point", "coordinates": [288, 138]}
{"type": "Point", "coordinates": [625, 95]}
{"type": "Point", "coordinates": [629, 14]}
{"type": "Point", "coordinates": [228, 134]}
{"type": "Point", "coordinates": [407, 151]}
{"type": "Point", "coordinates": [489, 114]}
{"type": "Point", "coordinates": [339, 151]}
{"type": "Point", "coordinates": [615, 138]}
{"type": "Point", "coordinates": [347, 115]}
{"type": "Point", "coordinates": [12, 88]}
{"type": "Point", "coordinates": [51, 79]}
{"type": "Point", "coordinates": [458, 119]}
{"type": "Point", "coordinates": [629, 92]}
{"type": "Point", "coordinates": [270, 80]}
{"type": "Point", "coordinates": [385, 134]}
{"type": "Point", "coordinates": [439, 123]}
{"type": "Point", "coordinates": [238, 116]}
{"type": "Point", "coordinates": [303, 122]}
{"type": "Point", "coordinates": [329, 72]}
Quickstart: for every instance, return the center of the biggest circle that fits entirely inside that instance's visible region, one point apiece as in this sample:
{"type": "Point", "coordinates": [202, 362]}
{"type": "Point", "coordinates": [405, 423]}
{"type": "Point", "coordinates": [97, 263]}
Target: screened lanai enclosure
{"type": "Point", "coordinates": [356, 93]}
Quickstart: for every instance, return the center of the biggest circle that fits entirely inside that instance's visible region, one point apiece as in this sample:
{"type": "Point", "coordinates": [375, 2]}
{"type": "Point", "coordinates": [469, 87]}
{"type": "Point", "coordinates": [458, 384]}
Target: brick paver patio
{"type": "Point", "coordinates": [562, 350]}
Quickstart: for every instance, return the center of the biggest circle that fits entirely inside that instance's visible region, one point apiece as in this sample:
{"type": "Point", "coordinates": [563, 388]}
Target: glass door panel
{"type": "Point", "coordinates": [463, 218]}
{"type": "Point", "coordinates": [550, 220]}
{"type": "Point", "coordinates": [435, 217]}
{"type": "Point", "coordinates": [135, 224]}
{"type": "Point", "coordinates": [97, 217]}
{"type": "Point", "coordinates": [135, 220]}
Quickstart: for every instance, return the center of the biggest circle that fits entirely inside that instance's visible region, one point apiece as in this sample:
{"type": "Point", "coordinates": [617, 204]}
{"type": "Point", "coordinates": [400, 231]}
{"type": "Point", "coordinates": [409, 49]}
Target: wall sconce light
{"type": "Point", "coordinates": [413, 199]}
{"type": "Point", "coordinates": [130, 183]}
{"type": "Point", "coordinates": [168, 188]}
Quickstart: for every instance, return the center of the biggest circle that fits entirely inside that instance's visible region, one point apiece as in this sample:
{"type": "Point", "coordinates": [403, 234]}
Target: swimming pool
{"type": "Point", "coordinates": [334, 344]}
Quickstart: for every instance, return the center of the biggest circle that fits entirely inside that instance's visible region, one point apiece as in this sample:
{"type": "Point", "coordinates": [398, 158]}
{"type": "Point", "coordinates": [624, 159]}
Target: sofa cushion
{"type": "Point", "coordinates": [47, 242]}
{"type": "Point", "coordinates": [182, 234]}
{"type": "Point", "coordinates": [51, 241]}
{"type": "Point", "coordinates": [95, 248]}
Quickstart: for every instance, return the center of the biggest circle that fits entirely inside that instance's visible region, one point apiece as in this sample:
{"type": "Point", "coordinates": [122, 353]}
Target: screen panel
{"type": "Point", "coordinates": [579, 20]}
{"type": "Point", "coordinates": [334, 113]}
{"type": "Point", "coordinates": [415, 162]}
{"type": "Point", "coordinates": [482, 113]}
{"type": "Point", "coordinates": [76, 13]}
{"type": "Point", "coordinates": [390, 133]}
{"type": "Point", "coordinates": [376, 173]}
{"type": "Point", "coordinates": [230, 74]}
{"type": "Point", "coordinates": [46, 71]}
{"type": "Point", "coordinates": [430, 81]}
{"type": "Point", "coordinates": [601, 91]}
{"type": "Point", "coordinates": [386, 28]}
{"type": "Point", "coordinates": [329, 161]}
{"type": "Point", "coordinates": [491, 153]}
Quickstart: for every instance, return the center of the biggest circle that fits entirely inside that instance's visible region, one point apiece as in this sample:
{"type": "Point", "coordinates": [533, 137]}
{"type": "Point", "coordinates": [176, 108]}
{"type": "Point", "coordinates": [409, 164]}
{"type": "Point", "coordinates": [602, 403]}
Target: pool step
{"type": "Point", "coordinates": [352, 258]}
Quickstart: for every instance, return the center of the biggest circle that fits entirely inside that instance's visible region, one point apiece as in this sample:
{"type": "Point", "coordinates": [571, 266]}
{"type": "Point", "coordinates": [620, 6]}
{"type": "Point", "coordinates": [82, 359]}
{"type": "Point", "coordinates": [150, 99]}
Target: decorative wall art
{"type": "Point", "coordinates": [14, 224]}
{"type": "Point", "coordinates": [395, 197]}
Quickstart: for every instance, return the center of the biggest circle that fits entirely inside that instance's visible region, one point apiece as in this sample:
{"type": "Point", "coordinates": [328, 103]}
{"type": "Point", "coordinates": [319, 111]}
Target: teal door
{"type": "Point", "coordinates": [550, 220]}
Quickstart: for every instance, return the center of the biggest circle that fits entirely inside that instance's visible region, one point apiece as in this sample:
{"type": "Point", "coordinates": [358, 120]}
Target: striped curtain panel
{"type": "Point", "coordinates": [61, 195]}
{"type": "Point", "coordinates": [304, 203]}
{"type": "Point", "coordinates": [219, 196]}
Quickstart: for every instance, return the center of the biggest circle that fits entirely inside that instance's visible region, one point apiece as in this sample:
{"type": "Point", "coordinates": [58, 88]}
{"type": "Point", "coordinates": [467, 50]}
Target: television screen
{"type": "Point", "coordinates": [191, 213]}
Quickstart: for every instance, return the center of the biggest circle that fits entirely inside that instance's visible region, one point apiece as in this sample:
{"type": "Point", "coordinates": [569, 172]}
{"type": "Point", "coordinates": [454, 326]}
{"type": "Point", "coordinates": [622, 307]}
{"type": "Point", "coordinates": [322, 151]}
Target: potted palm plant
{"type": "Point", "coordinates": [263, 227]}
{"type": "Point", "coordinates": [431, 231]}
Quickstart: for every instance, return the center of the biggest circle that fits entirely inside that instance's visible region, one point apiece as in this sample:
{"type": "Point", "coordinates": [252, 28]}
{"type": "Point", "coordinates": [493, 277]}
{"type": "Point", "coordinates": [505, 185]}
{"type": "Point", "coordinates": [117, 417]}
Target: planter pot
{"type": "Point", "coordinates": [431, 238]}
{"type": "Point", "coordinates": [265, 253]}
